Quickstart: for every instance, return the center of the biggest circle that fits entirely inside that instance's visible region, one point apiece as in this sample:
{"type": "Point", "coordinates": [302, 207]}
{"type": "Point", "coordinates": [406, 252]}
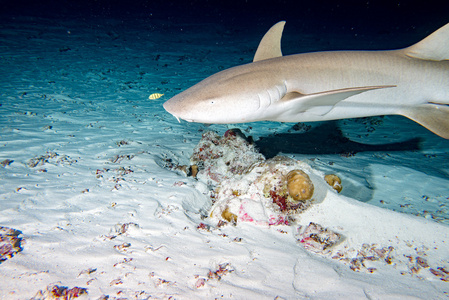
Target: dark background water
{"type": "Point", "coordinates": [367, 23]}
{"type": "Point", "coordinates": [370, 25]}
{"type": "Point", "coordinates": [378, 16]}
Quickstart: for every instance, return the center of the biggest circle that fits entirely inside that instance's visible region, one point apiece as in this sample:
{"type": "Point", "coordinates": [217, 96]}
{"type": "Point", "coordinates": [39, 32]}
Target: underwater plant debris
{"type": "Point", "coordinates": [11, 242]}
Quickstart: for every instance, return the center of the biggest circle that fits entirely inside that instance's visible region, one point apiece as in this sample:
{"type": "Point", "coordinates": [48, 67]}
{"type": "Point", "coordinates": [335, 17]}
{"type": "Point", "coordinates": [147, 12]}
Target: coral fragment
{"type": "Point", "coordinates": [334, 181]}
{"type": "Point", "coordinates": [317, 238]}
{"type": "Point", "coordinates": [299, 185]}
{"type": "Point", "coordinates": [229, 216]}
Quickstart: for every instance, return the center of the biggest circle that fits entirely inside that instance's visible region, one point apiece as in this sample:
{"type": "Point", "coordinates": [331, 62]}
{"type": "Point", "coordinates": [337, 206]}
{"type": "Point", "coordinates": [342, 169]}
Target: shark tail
{"type": "Point", "coordinates": [434, 117]}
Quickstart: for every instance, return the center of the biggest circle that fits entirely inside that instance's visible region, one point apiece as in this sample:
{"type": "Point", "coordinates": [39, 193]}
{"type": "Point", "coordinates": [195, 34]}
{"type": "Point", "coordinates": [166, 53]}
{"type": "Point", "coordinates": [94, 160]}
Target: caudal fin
{"type": "Point", "coordinates": [434, 117]}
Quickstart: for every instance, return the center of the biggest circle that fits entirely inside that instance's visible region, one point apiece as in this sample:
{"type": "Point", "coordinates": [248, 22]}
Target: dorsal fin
{"type": "Point", "coordinates": [433, 47]}
{"type": "Point", "coordinates": [270, 45]}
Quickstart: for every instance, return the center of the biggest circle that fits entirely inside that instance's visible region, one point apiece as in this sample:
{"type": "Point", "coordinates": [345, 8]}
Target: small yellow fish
{"type": "Point", "coordinates": [155, 96]}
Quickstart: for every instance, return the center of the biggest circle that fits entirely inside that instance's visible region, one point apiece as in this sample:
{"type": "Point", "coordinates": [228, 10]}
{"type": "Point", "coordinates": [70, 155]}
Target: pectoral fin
{"type": "Point", "coordinates": [323, 102]}
{"type": "Point", "coordinates": [434, 117]}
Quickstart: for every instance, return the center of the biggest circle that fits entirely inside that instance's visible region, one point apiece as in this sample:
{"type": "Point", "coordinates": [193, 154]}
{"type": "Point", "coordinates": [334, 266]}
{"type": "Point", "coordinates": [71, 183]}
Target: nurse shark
{"type": "Point", "coordinates": [320, 86]}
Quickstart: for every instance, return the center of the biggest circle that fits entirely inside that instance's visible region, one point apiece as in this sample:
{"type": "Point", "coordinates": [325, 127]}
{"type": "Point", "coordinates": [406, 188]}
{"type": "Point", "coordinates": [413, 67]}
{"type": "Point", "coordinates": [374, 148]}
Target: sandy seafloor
{"type": "Point", "coordinates": [74, 93]}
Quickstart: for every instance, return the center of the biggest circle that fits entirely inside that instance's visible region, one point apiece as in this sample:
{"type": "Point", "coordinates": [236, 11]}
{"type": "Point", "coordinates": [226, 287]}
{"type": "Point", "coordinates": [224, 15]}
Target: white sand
{"type": "Point", "coordinates": [74, 97]}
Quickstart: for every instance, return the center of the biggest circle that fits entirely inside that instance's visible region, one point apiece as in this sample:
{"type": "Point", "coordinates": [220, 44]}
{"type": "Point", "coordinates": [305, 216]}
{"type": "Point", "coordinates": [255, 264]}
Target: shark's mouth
{"type": "Point", "coordinates": [179, 119]}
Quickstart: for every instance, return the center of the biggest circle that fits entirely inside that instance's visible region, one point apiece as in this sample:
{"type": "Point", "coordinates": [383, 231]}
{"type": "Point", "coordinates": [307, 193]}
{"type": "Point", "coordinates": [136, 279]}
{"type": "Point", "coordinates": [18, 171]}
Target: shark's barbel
{"type": "Point", "coordinates": [318, 86]}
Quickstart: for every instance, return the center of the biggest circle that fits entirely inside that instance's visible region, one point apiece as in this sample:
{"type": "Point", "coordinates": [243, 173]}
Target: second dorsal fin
{"type": "Point", "coordinates": [433, 47]}
{"type": "Point", "coordinates": [270, 45]}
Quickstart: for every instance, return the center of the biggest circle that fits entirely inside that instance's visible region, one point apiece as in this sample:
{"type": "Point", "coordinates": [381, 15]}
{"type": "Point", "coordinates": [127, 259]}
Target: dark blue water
{"type": "Point", "coordinates": [350, 17]}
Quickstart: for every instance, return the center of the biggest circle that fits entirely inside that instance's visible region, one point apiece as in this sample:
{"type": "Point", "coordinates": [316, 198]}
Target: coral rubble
{"type": "Point", "coordinates": [11, 242]}
{"type": "Point", "coordinates": [249, 188]}
{"type": "Point", "coordinates": [299, 185]}
{"type": "Point", "coordinates": [318, 239]}
{"type": "Point", "coordinates": [220, 158]}
{"type": "Point", "coordinates": [334, 181]}
{"type": "Point", "coordinates": [57, 292]}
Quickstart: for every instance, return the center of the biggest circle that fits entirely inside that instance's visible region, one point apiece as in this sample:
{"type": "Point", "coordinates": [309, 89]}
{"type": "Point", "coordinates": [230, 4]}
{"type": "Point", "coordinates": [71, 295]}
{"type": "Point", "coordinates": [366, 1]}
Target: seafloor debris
{"type": "Point", "coordinates": [56, 292]}
{"type": "Point", "coordinates": [221, 270]}
{"type": "Point", "coordinates": [318, 239]}
{"type": "Point", "coordinates": [120, 229]}
{"type": "Point", "coordinates": [200, 282]}
{"type": "Point", "coordinates": [441, 273]}
{"type": "Point", "coordinates": [369, 257]}
{"type": "Point", "coordinates": [118, 158]}
{"type": "Point", "coordinates": [87, 271]}
{"type": "Point", "coordinates": [216, 158]}
{"type": "Point", "coordinates": [122, 143]}
{"type": "Point", "coordinates": [51, 158]}
{"type": "Point", "coordinates": [6, 162]}
{"type": "Point", "coordinates": [220, 158]}
{"type": "Point", "coordinates": [163, 282]}
{"type": "Point", "coordinates": [365, 257]}
{"type": "Point", "coordinates": [334, 181]}
{"type": "Point", "coordinates": [123, 247]}
{"type": "Point", "coordinates": [369, 253]}
{"type": "Point", "coordinates": [216, 274]}
{"type": "Point", "coordinates": [193, 171]}
{"type": "Point", "coordinates": [171, 164]}
{"type": "Point", "coordinates": [299, 185]}
{"type": "Point", "coordinates": [418, 265]}
{"type": "Point", "coordinates": [248, 188]}
{"type": "Point", "coordinates": [229, 216]}
{"type": "Point", "coordinates": [203, 226]}
{"type": "Point", "coordinates": [123, 262]}
{"type": "Point", "coordinates": [245, 187]}
{"type": "Point", "coordinates": [116, 176]}
{"type": "Point", "coordinates": [11, 242]}
{"type": "Point", "coordinates": [116, 281]}
{"type": "Point", "coordinates": [261, 195]}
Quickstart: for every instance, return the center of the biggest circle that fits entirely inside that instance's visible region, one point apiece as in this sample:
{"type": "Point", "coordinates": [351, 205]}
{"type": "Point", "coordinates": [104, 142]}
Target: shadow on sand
{"type": "Point", "coordinates": [326, 138]}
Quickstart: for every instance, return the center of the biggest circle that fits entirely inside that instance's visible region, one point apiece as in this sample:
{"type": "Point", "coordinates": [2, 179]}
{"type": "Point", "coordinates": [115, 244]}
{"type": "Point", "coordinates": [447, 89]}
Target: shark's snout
{"type": "Point", "coordinates": [168, 106]}
{"type": "Point", "coordinates": [171, 107]}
